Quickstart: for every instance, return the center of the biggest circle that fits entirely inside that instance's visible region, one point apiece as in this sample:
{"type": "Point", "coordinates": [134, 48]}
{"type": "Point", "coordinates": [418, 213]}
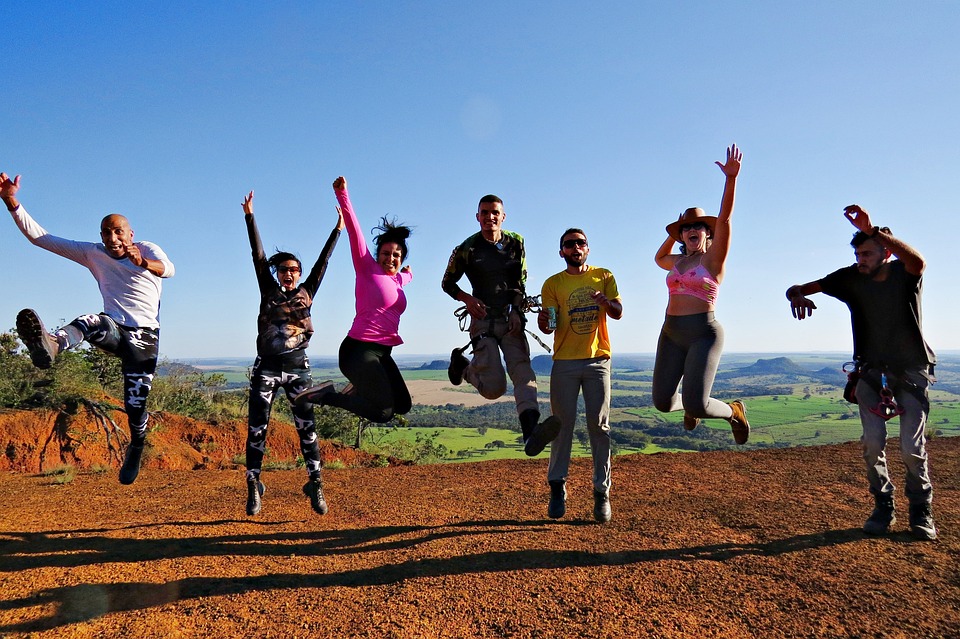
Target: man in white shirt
{"type": "Point", "coordinates": [129, 275]}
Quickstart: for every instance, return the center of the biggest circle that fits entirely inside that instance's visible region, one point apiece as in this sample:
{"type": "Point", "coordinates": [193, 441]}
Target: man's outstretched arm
{"type": "Point", "coordinates": [800, 305]}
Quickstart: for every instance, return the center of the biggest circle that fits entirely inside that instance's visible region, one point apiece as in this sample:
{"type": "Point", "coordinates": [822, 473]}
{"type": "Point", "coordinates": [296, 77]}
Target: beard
{"type": "Point", "coordinates": [575, 261]}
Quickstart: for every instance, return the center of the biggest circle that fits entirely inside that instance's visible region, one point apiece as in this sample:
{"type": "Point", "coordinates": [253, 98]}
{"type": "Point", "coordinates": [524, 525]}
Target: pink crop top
{"type": "Point", "coordinates": [697, 282]}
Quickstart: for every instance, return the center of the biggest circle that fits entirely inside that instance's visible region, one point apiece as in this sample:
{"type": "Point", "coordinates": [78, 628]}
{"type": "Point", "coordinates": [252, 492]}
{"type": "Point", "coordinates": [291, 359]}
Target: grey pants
{"type": "Point", "coordinates": [486, 372]}
{"type": "Point", "coordinates": [689, 349]}
{"type": "Point", "coordinates": [567, 378]}
{"type": "Point", "coordinates": [913, 439]}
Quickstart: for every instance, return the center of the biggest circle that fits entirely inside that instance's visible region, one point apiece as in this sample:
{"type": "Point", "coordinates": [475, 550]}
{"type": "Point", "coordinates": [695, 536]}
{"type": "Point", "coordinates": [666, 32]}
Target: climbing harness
{"type": "Point", "coordinates": [887, 407]}
{"type": "Point", "coordinates": [529, 304]}
{"type": "Point", "coordinates": [853, 376]}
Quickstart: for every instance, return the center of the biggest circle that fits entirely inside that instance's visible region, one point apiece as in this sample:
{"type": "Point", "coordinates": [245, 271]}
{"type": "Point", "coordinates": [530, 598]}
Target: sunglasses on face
{"type": "Point", "coordinates": [699, 226]}
{"type": "Point", "coordinates": [288, 269]}
{"type": "Point", "coordinates": [568, 244]}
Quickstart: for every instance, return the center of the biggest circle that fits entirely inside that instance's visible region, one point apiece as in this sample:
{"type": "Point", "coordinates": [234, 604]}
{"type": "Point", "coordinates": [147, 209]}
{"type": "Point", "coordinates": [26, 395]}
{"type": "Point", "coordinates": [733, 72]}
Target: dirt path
{"type": "Point", "coordinates": [759, 544]}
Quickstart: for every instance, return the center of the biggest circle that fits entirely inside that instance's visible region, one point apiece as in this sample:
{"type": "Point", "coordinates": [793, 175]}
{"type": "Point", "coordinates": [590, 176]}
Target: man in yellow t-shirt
{"type": "Point", "coordinates": [581, 298]}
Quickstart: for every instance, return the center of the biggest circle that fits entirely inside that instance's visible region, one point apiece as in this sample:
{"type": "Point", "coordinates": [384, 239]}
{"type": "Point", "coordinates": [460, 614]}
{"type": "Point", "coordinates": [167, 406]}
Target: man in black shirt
{"type": "Point", "coordinates": [894, 361]}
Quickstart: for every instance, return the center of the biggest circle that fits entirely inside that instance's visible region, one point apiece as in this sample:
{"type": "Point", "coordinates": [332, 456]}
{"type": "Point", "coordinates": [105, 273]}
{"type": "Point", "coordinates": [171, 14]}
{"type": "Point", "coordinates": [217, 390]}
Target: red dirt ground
{"type": "Point", "coordinates": [730, 544]}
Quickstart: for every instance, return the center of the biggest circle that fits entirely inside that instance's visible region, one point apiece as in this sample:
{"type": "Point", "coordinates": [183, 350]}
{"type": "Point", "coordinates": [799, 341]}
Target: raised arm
{"type": "Point", "coordinates": [716, 256]}
{"type": "Point", "coordinates": [665, 257]}
{"type": "Point", "coordinates": [358, 246]}
{"type": "Point", "coordinates": [913, 261]}
{"type": "Point", "coordinates": [312, 283]}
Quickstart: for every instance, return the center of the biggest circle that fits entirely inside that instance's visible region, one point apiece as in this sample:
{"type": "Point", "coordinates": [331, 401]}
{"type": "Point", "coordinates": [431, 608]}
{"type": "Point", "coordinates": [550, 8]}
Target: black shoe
{"type": "Point", "coordinates": [314, 490]}
{"type": "Point", "coordinates": [690, 422]}
{"type": "Point", "coordinates": [131, 464]}
{"type": "Point", "coordinates": [921, 522]}
{"type": "Point", "coordinates": [544, 433]}
{"type": "Point", "coordinates": [601, 507]}
{"type": "Point", "coordinates": [255, 489]}
{"type": "Point", "coordinates": [458, 364]}
{"type": "Point", "coordinates": [882, 517]}
{"type": "Point", "coordinates": [314, 394]}
{"type": "Point", "coordinates": [43, 346]}
{"type": "Point", "coordinates": [557, 507]}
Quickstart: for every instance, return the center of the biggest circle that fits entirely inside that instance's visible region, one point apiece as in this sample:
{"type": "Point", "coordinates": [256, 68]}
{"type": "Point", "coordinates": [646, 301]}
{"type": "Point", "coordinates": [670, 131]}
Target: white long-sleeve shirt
{"type": "Point", "coordinates": [131, 294]}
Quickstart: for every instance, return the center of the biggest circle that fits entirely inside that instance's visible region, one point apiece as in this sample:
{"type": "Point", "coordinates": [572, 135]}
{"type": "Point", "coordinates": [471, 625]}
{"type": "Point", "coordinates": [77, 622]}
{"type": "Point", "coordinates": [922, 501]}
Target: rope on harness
{"type": "Point", "coordinates": [529, 304]}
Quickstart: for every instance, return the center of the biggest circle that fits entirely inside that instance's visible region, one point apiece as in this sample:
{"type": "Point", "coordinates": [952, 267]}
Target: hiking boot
{"type": "Point", "coordinates": [314, 490]}
{"type": "Point", "coordinates": [738, 422]}
{"type": "Point", "coordinates": [558, 499]}
{"type": "Point", "coordinates": [43, 346]}
{"type": "Point", "coordinates": [543, 433]}
{"type": "Point", "coordinates": [882, 517]}
{"type": "Point", "coordinates": [314, 394]}
{"type": "Point", "coordinates": [458, 364]}
{"type": "Point", "coordinates": [921, 522]}
{"type": "Point", "coordinates": [255, 490]}
{"type": "Point", "coordinates": [601, 506]}
{"type": "Point", "coordinates": [690, 422]}
{"type": "Point", "coordinates": [131, 463]}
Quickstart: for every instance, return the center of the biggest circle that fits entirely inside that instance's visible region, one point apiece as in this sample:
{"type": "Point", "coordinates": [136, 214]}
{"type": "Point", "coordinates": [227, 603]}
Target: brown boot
{"type": "Point", "coordinates": [738, 422]}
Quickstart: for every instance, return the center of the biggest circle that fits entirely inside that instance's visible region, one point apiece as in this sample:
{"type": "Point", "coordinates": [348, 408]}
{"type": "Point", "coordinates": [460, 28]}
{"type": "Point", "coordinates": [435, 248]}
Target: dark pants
{"type": "Point", "coordinates": [137, 349]}
{"type": "Point", "coordinates": [267, 378]}
{"type": "Point", "coordinates": [379, 389]}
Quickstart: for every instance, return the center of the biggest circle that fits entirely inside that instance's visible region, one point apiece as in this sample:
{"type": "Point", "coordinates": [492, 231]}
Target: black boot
{"type": "Point", "coordinates": [255, 489]}
{"type": "Point", "coordinates": [537, 436]}
{"type": "Point", "coordinates": [921, 522]}
{"type": "Point", "coordinates": [557, 507]}
{"type": "Point", "coordinates": [131, 463]}
{"type": "Point", "coordinates": [882, 517]}
{"type": "Point", "coordinates": [314, 490]}
{"type": "Point", "coordinates": [601, 506]}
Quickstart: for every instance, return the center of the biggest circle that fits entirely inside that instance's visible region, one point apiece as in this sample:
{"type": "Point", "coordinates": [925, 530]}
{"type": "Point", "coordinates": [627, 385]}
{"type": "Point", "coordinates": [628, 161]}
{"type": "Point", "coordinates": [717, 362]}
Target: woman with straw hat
{"type": "Point", "coordinates": [691, 339]}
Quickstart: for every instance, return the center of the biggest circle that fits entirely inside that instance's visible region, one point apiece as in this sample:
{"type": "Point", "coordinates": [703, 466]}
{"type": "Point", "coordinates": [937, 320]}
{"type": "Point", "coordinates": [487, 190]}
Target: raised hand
{"type": "Point", "coordinates": [248, 204]}
{"type": "Point", "coordinates": [340, 184]}
{"type": "Point", "coordinates": [731, 167]}
{"type": "Point", "coordinates": [340, 223]}
{"type": "Point", "coordinates": [132, 253]}
{"type": "Point", "coordinates": [858, 217]}
{"type": "Point", "coordinates": [8, 190]}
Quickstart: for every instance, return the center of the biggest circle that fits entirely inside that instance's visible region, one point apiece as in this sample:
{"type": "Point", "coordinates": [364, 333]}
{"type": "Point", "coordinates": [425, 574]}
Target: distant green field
{"type": "Point", "coordinates": [467, 444]}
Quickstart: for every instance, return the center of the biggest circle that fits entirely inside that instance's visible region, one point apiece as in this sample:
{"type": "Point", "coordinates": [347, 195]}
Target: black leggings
{"type": "Point", "coordinates": [266, 380]}
{"type": "Point", "coordinates": [137, 350]}
{"type": "Point", "coordinates": [379, 389]}
{"type": "Point", "coordinates": [689, 349]}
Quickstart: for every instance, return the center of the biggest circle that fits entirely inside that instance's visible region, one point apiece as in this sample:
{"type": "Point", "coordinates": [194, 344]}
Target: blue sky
{"type": "Point", "coordinates": [605, 116]}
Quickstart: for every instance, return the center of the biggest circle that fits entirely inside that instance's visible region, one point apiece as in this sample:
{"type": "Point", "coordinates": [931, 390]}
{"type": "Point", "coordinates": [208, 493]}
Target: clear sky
{"type": "Point", "coordinates": [606, 116]}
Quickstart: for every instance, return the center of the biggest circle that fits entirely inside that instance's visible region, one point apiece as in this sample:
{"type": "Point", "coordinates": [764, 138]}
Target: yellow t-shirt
{"type": "Point", "coordinates": [581, 324]}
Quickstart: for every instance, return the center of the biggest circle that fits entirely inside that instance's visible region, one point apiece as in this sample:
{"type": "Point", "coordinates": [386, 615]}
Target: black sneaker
{"type": "Point", "coordinates": [458, 364]}
{"type": "Point", "coordinates": [921, 522]}
{"type": "Point", "coordinates": [255, 490]}
{"type": "Point", "coordinates": [601, 507]}
{"type": "Point", "coordinates": [544, 433]}
{"type": "Point", "coordinates": [690, 422]}
{"type": "Point", "coordinates": [42, 345]}
{"type": "Point", "coordinates": [882, 517]}
{"type": "Point", "coordinates": [558, 500]}
{"type": "Point", "coordinates": [314, 394]}
{"type": "Point", "coordinates": [314, 490]}
{"type": "Point", "coordinates": [131, 464]}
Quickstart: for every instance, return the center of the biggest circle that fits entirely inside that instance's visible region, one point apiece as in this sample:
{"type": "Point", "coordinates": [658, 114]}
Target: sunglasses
{"type": "Point", "coordinates": [288, 269]}
{"type": "Point", "coordinates": [568, 244]}
{"type": "Point", "coordinates": [697, 225]}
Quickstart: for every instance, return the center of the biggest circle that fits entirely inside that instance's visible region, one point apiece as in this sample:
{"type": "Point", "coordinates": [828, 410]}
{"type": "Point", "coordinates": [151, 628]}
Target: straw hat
{"type": "Point", "coordinates": [694, 215]}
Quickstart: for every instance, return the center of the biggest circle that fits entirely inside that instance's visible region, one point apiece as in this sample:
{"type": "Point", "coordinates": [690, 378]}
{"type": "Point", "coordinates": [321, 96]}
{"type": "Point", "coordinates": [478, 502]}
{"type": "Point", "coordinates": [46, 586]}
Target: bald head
{"type": "Point", "coordinates": [116, 234]}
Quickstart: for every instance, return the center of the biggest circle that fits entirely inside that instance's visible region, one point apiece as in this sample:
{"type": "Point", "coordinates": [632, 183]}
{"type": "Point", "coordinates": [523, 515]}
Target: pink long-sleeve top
{"type": "Point", "coordinates": [380, 298]}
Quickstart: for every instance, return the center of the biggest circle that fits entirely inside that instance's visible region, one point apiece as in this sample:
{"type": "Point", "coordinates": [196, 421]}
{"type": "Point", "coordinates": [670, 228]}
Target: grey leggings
{"type": "Point", "coordinates": [689, 349]}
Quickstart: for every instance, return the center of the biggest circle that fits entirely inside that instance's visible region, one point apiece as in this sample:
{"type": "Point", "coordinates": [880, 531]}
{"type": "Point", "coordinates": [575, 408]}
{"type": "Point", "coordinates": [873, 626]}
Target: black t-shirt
{"type": "Point", "coordinates": [885, 315]}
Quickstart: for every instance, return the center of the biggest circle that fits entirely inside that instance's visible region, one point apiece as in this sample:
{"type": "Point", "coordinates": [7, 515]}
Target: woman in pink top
{"type": "Point", "coordinates": [691, 339]}
{"type": "Point", "coordinates": [378, 391]}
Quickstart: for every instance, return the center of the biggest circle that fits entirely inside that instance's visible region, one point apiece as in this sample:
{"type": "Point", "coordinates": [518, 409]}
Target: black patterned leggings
{"type": "Point", "coordinates": [137, 349]}
{"type": "Point", "coordinates": [265, 382]}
